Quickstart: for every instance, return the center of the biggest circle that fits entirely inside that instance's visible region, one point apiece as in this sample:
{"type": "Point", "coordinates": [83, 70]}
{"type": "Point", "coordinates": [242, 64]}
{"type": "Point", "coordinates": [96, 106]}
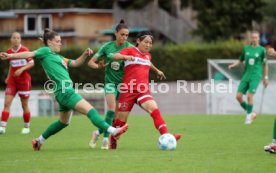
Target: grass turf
{"type": "Point", "coordinates": [212, 144]}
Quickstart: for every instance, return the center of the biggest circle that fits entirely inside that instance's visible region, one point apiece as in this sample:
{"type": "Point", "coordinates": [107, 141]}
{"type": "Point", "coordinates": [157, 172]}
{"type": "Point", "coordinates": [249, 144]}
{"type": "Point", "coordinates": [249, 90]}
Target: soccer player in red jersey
{"type": "Point", "coordinates": [18, 81]}
{"type": "Point", "coordinates": [135, 85]}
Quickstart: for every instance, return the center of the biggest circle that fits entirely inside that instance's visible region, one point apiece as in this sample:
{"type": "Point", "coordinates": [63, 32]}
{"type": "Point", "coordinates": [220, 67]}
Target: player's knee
{"type": "Point", "coordinates": [7, 105]}
{"type": "Point", "coordinates": [239, 97]}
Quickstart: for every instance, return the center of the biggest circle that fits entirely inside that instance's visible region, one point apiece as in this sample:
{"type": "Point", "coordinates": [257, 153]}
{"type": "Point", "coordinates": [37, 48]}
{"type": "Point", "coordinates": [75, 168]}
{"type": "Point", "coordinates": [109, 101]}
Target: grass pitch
{"type": "Point", "coordinates": [210, 144]}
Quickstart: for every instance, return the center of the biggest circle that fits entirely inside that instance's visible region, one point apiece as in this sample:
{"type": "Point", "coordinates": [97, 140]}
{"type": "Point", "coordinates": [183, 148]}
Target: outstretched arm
{"type": "Point", "coordinates": [21, 55]}
{"type": "Point", "coordinates": [235, 64]}
{"type": "Point", "coordinates": [271, 52]}
{"type": "Point", "coordinates": [119, 56]}
{"type": "Point", "coordinates": [92, 63]}
{"type": "Point", "coordinates": [19, 71]}
{"type": "Point", "coordinates": [159, 73]}
{"type": "Point", "coordinates": [80, 60]}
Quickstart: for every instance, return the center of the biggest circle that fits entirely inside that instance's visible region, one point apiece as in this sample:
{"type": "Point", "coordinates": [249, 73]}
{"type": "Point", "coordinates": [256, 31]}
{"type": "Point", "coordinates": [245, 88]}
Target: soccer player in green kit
{"type": "Point", "coordinates": [272, 147]}
{"type": "Point", "coordinates": [114, 71]}
{"type": "Point", "coordinates": [56, 68]}
{"type": "Point", "coordinates": [256, 69]}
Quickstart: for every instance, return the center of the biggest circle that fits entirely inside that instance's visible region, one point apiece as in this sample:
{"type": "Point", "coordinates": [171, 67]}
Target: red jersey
{"type": "Point", "coordinates": [16, 63]}
{"type": "Point", "coordinates": [136, 73]}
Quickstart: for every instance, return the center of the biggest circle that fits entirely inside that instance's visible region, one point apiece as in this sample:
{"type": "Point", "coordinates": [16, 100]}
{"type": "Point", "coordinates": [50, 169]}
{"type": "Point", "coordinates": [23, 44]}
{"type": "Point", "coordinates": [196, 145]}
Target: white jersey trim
{"type": "Point", "coordinates": [24, 92]}
{"type": "Point", "coordinates": [15, 51]}
{"type": "Point", "coordinates": [141, 98]}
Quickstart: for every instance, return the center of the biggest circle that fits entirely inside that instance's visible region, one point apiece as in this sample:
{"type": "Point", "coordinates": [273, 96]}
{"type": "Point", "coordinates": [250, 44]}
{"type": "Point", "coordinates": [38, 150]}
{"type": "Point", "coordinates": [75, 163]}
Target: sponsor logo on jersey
{"type": "Point", "coordinates": [138, 61]}
{"type": "Point", "coordinates": [18, 62]}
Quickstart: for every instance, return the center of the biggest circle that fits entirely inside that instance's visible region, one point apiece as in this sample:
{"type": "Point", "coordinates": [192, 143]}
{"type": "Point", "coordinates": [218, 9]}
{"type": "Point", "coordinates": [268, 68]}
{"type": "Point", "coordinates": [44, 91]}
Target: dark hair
{"type": "Point", "coordinates": [121, 25]}
{"type": "Point", "coordinates": [142, 35]}
{"type": "Point", "coordinates": [48, 35]}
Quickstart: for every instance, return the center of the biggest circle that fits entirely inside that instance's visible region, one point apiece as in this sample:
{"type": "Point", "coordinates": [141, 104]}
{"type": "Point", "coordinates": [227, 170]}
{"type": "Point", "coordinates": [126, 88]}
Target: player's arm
{"type": "Point", "coordinates": [271, 52]}
{"type": "Point", "coordinates": [235, 64]}
{"type": "Point", "coordinates": [118, 56]}
{"type": "Point", "coordinates": [80, 60]}
{"type": "Point", "coordinates": [19, 71]}
{"type": "Point", "coordinates": [21, 55]}
{"type": "Point", "coordinates": [93, 63]}
{"type": "Point", "coordinates": [6, 80]}
{"type": "Point", "coordinates": [159, 73]}
{"type": "Point", "coordinates": [265, 74]}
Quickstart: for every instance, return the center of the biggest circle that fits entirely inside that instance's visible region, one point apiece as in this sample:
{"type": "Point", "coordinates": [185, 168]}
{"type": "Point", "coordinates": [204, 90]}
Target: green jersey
{"type": "Point", "coordinates": [114, 70]}
{"type": "Point", "coordinates": [56, 67]}
{"type": "Point", "coordinates": [253, 59]}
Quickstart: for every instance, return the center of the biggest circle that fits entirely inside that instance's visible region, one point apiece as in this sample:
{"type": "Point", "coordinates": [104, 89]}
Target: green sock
{"type": "Point", "coordinates": [109, 119]}
{"type": "Point", "coordinates": [244, 105]}
{"type": "Point", "coordinates": [249, 108]}
{"type": "Point", "coordinates": [97, 120]}
{"type": "Point", "coordinates": [274, 130]}
{"type": "Point", "coordinates": [53, 129]}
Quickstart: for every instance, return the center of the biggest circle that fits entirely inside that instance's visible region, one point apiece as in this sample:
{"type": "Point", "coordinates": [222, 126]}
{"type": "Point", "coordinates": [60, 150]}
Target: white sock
{"type": "Point", "coordinates": [111, 130]}
{"type": "Point", "coordinates": [105, 139]}
{"type": "Point", "coordinates": [3, 124]}
{"type": "Point", "coordinates": [97, 133]}
{"type": "Point", "coordinates": [41, 139]}
{"type": "Point", "coordinates": [27, 125]}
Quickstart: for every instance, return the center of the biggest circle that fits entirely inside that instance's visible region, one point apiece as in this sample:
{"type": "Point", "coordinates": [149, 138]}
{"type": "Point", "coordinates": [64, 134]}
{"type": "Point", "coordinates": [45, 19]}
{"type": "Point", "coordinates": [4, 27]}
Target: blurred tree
{"type": "Point", "coordinates": [269, 12]}
{"type": "Point", "coordinates": [226, 19]}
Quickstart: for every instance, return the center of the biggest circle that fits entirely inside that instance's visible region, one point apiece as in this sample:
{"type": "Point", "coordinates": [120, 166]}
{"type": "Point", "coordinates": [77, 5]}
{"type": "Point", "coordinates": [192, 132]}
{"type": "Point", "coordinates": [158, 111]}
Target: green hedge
{"type": "Point", "coordinates": [185, 62]}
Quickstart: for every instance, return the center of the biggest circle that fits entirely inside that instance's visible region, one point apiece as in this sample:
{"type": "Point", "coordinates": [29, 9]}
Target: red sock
{"type": "Point", "coordinates": [159, 123]}
{"type": "Point", "coordinates": [5, 116]}
{"type": "Point", "coordinates": [27, 117]}
{"type": "Point", "coordinates": [118, 123]}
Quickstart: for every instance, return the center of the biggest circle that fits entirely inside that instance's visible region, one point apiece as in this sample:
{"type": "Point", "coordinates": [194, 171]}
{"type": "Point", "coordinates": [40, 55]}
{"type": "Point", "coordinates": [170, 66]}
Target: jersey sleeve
{"type": "Point", "coordinates": [101, 53]}
{"type": "Point", "coordinates": [242, 55]}
{"type": "Point", "coordinates": [42, 52]}
{"type": "Point", "coordinates": [67, 61]}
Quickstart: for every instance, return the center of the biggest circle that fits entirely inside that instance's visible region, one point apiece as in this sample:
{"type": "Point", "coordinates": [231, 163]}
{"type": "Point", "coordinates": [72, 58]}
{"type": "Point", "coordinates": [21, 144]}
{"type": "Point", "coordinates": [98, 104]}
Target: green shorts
{"type": "Point", "coordinates": [67, 100]}
{"type": "Point", "coordinates": [250, 86]}
{"type": "Point", "coordinates": [111, 88]}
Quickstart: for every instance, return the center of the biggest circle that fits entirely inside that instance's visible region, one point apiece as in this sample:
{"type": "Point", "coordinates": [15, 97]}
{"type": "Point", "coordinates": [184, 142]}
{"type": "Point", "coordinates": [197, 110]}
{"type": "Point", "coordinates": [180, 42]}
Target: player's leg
{"type": "Point", "coordinates": [86, 108]}
{"type": "Point", "coordinates": [149, 105]}
{"type": "Point", "coordinates": [24, 90]}
{"type": "Point", "coordinates": [242, 89]}
{"type": "Point", "coordinates": [120, 121]}
{"type": "Point", "coordinates": [55, 127]}
{"type": "Point", "coordinates": [26, 114]}
{"type": "Point", "coordinates": [272, 147]}
{"type": "Point", "coordinates": [110, 96]}
{"type": "Point", "coordinates": [111, 104]}
{"type": "Point", "coordinates": [251, 116]}
{"type": "Point", "coordinates": [126, 102]}
{"type": "Point", "coordinates": [9, 95]}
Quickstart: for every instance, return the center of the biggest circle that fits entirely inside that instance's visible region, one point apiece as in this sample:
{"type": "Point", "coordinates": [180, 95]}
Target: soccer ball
{"type": "Point", "coordinates": [167, 142]}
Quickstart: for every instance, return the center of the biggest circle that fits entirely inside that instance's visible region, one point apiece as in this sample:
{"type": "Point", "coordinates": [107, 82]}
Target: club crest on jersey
{"type": "Point", "coordinates": [115, 65]}
{"type": "Point", "coordinates": [147, 56]}
{"type": "Point", "coordinates": [257, 55]}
